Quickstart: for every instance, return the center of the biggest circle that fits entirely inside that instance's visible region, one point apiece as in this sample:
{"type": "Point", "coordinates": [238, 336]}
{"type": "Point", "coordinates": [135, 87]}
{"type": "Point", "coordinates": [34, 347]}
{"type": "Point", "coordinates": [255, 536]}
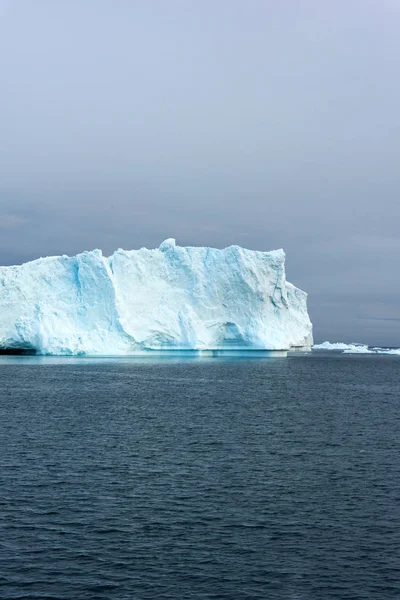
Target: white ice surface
{"type": "Point", "coordinates": [168, 298]}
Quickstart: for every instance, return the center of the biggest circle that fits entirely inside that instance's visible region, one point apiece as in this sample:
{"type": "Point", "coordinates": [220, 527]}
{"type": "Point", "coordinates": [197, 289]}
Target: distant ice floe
{"type": "Point", "coordinates": [395, 351]}
{"type": "Point", "coordinates": [336, 346]}
{"type": "Point", "coordinates": [355, 348]}
{"type": "Point", "coordinates": [362, 349]}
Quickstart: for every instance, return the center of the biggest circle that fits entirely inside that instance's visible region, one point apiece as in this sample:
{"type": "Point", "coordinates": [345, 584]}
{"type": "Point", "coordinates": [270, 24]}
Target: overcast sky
{"type": "Point", "coordinates": [262, 123]}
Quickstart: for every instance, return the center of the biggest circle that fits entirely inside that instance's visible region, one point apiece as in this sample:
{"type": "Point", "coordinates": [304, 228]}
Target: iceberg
{"type": "Point", "coordinates": [138, 301]}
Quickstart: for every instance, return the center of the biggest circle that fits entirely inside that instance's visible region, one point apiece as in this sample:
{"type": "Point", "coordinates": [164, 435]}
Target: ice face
{"type": "Point", "coordinates": [169, 298]}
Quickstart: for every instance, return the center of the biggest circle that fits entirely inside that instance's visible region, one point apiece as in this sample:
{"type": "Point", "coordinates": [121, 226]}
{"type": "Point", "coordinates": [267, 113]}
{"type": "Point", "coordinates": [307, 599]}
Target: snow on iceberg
{"type": "Point", "coordinates": [167, 298]}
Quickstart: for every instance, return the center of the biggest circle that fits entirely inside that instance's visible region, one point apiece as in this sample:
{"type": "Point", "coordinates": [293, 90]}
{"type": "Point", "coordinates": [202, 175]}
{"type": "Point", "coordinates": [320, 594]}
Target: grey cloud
{"type": "Point", "coordinates": [255, 123]}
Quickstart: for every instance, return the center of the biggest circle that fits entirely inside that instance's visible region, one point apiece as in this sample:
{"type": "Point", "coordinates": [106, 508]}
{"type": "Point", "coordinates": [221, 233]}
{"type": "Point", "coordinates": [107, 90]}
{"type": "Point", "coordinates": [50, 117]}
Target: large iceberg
{"type": "Point", "coordinates": [134, 301]}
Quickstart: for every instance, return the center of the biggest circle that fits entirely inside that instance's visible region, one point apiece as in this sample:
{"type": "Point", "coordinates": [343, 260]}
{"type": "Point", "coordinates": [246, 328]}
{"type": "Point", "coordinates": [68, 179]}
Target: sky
{"type": "Point", "coordinates": [253, 122]}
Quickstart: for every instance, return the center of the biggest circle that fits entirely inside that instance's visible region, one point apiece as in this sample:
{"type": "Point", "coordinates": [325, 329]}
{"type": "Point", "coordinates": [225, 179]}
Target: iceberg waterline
{"type": "Point", "coordinates": [134, 301]}
{"type": "Point", "coordinates": [355, 348]}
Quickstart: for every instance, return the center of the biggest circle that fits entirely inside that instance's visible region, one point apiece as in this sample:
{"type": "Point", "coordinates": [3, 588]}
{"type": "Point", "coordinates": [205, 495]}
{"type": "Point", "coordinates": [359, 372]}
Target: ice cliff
{"type": "Point", "coordinates": [168, 298]}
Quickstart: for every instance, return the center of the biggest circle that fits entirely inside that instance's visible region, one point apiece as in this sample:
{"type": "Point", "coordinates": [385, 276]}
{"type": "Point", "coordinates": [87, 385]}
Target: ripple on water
{"type": "Point", "coordinates": [204, 479]}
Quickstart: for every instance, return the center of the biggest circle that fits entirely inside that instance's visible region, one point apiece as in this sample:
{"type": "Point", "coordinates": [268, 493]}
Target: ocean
{"type": "Point", "coordinates": [200, 479]}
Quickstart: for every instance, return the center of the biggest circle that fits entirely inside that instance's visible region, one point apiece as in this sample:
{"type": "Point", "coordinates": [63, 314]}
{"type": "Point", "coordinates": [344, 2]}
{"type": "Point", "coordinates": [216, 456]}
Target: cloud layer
{"type": "Point", "coordinates": [261, 124]}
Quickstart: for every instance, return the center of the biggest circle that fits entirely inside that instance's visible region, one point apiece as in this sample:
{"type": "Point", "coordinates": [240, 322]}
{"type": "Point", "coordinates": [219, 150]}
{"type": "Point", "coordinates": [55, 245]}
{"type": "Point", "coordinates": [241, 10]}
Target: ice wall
{"type": "Point", "coordinates": [171, 297]}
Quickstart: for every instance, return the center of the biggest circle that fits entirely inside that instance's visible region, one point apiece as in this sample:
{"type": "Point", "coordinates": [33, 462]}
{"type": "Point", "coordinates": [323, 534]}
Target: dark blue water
{"type": "Point", "coordinates": [217, 479]}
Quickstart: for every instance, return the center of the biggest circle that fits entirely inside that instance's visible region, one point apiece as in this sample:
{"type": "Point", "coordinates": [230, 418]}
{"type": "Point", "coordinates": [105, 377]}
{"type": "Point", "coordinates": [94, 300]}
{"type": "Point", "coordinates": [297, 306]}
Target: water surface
{"type": "Point", "coordinates": [200, 479]}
